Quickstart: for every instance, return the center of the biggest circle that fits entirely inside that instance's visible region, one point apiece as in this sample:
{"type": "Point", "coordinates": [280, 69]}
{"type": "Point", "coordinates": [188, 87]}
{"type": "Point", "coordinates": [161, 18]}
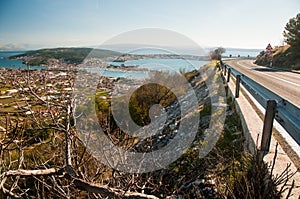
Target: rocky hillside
{"type": "Point", "coordinates": [280, 57]}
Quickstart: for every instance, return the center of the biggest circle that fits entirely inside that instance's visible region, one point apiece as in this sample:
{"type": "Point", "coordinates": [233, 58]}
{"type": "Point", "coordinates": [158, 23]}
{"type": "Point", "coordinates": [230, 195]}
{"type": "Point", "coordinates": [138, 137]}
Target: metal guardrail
{"type": "Point", "coordinates": [287, 114]}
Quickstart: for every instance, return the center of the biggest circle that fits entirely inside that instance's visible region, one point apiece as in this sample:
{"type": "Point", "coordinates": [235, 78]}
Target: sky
{"type": "Point", "coordinates": [248, 24]}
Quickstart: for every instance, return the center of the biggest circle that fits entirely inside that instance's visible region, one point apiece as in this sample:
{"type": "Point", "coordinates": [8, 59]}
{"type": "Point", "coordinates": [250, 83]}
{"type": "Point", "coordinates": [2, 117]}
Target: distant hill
{"type": "Point", "coordinates": [281, 57]}
{"type": "Point", "coordinates": [67, 55]}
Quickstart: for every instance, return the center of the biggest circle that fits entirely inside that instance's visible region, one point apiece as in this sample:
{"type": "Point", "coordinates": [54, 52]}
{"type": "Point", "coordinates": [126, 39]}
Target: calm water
{"type": "Point", "coordinates": [242, 52]}
{"type": "Point", "coordinates": [7, 63]}
{"type": "Point", "coordinates": [174, 65]}
{"type": "Point", "coordinates": [163, 64]}
{"type": "Point", "coordinates": [152, 64]}
{"type": "Point", "coordinates": [4, 54]}
{"type": "Point", "coordinates": [118, 73]}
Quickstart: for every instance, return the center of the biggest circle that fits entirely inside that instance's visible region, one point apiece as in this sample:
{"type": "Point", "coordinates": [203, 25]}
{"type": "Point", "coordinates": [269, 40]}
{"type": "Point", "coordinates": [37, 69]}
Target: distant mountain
{"type": "Point", "coordinates": [155, 49]}
{"type": "Point", "coordinates": [13, 47]}
{"type": "Point", "coordinates": [67, 55]}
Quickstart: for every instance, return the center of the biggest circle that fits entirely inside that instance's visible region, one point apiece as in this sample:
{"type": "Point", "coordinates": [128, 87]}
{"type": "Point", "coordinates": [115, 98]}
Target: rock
{"type": "Point", "coordinates": [229, 113]}
{"type": "Point", "coordinates": [198, 182]}
{"type": "Point", "coordinates": [172, 126]}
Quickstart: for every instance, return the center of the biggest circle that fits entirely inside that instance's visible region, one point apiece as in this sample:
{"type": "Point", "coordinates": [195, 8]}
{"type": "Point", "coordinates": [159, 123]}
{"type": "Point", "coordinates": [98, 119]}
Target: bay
{"type": "Point", "coordinates": [174, 65]}
{"type": "Point", "coordinates": [13, 63]}
{"type": "Point", "coordinates": [163, 64]}
{"type": "Point", "coordinates": [119, 73]}
{"type": "Point", "coordinates": [171, 65]}
{"type": "Point", "coordinates": [243, 53]}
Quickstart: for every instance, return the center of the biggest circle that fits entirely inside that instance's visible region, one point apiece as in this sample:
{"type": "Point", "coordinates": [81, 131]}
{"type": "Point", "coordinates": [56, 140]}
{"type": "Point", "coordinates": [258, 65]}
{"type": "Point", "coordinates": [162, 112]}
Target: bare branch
{"type": "Point", "coordinates": [107, 191]}
{"type": "Point", "coordinates": [22, 172]}
{"type": "Point", "coordinates": [79, 183]}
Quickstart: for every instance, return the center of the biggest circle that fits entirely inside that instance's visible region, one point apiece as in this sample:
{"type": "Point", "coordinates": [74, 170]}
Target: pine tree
{"type": "Point", "coordinates": [292, 32]}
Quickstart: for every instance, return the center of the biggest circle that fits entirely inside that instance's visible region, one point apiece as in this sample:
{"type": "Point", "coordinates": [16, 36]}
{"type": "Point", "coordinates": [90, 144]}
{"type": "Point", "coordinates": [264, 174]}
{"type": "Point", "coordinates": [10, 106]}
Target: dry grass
{"type": "Point", "coordinates": [280, 49]}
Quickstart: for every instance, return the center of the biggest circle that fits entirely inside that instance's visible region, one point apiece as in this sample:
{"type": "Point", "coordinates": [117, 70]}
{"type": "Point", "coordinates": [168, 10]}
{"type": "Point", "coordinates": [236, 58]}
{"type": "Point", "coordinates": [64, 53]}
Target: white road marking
{"type": "Point", "coordinates": [293, 83]}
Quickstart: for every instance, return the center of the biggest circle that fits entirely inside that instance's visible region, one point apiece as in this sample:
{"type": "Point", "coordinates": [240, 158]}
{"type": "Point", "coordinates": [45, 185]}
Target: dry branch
{"type": "Point", "coordinates": [107, 191]}
{"type": "Point", "coordinates": [21, 172]}
{"type": "Point", "coordinates": [79, 183]}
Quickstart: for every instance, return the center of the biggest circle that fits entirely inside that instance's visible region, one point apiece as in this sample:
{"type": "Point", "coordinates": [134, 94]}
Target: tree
{"type": "Point", "coordinates": [292, 32]}
{"type": "Point", "coordinates": [59, 167]}
{"type": "Point", "coordinates": [217, 53]}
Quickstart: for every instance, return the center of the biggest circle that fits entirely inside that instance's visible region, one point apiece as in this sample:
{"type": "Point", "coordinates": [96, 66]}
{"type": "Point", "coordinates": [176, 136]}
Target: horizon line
{"type": "Point", "coordinates": [122, 45]}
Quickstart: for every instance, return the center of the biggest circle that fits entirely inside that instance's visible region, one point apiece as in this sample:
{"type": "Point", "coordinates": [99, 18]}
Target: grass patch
{"type": "Point", "coordinates": [3, 89]}
{"type": "Point", "coordinates": [102, 93]}
{"type": "Point", "coordinates": [7, 100]}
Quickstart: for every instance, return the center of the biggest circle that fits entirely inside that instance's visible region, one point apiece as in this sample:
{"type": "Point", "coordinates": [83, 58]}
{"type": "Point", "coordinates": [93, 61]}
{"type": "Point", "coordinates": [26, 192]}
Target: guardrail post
{"type": "Point", "coordinates": [219, 65]}
{"type": "Point", "coordinates": [226, 90]}
{"type": "Point", "coordinates": [237, 86]}
{"type": "Point", "coordinates": [267, 129]}
{"type": "Point", "coordinates": [228, 75]}
{"type": "Point", "coordinates": [287, 114]}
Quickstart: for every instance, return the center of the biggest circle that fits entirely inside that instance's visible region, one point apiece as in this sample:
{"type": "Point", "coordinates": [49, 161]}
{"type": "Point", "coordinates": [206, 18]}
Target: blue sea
{"type": "Point", "coordinates": [152, 64]}
{"type": "Point", "coordinates": [252, 53]}
{"type": "Point", "coordinates": [119, 73]}
{"type": "Point", "coordinates": [174, 65]}
{"type": "Point", "coordinates": [8, 63]}
{"type": "Point", "coordinates": [171, 65]}
{"type": "Point", "coordinates": [163, 64]}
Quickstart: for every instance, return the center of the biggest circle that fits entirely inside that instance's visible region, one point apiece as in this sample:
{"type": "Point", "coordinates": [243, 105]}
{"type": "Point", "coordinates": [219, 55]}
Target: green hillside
{"type": "Point", "coordinates": [68, 55]}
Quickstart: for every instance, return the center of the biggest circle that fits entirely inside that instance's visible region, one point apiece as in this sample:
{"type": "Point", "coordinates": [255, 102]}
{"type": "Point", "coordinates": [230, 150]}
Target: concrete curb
{"type": "Point", "coordinates": [252, 126]}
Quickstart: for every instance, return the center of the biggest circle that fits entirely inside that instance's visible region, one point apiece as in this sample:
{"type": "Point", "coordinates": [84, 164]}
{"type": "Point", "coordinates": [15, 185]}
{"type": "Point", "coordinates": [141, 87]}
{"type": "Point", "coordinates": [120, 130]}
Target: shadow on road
{"type": "Point", "coordinates": [269, 70]}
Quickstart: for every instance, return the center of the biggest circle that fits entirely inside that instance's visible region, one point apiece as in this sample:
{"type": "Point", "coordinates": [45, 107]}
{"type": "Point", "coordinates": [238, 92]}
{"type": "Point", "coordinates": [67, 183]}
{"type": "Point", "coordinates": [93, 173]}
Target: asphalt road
{"type": "Point", "coordinates": [285, 84]}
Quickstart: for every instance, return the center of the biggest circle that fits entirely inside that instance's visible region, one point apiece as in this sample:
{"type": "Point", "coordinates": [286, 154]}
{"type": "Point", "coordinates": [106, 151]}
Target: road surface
{"type": "Point", "coordinates": [283, 83]}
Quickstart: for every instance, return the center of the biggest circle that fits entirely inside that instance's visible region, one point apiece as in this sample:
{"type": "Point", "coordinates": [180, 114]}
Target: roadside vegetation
{"type": "Point", "coordinates": [216, 54]}
{"type": "Point", "coordinates": [43, 157]}
{"type": "Point", "coordinates": [288, 56]}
